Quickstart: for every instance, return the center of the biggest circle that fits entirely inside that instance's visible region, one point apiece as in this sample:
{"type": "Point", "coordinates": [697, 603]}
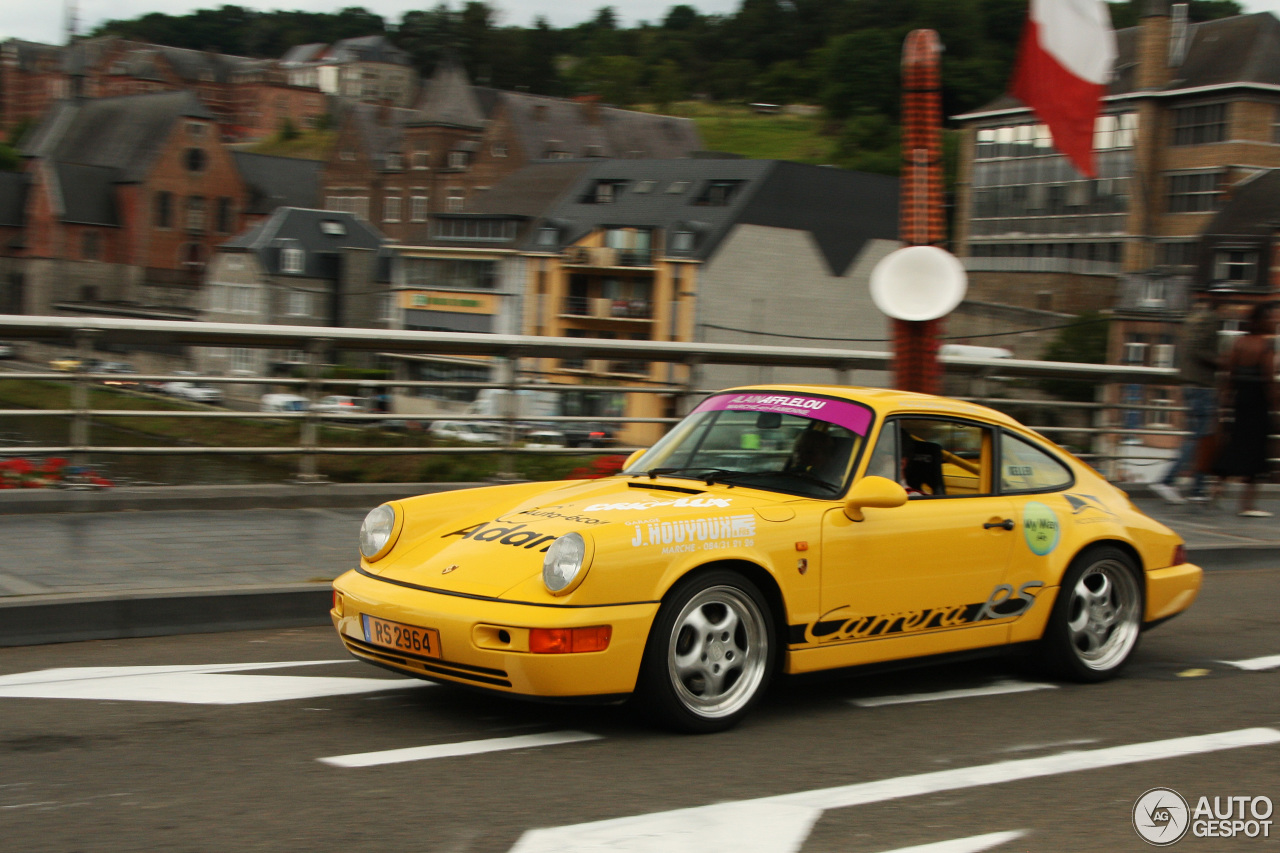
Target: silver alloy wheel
{"type": "Point", "coordinates": [1102, 615]}
{"type": "Point", "coordinates": [718, 652]}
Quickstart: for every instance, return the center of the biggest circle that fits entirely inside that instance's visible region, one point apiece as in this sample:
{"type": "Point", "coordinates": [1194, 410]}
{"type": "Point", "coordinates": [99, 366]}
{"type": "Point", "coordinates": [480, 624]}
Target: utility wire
{"type": "Point", "coordinates": [889, 340]}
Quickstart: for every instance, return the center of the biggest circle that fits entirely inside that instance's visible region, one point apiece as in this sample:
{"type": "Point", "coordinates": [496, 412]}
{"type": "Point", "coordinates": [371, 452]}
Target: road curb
{"type": "Point", "coordinates": [143, 498]}
{"type": "Point", "coordinates": [45, 619]}
{"type": "Point", "coordinates": [39, 620]}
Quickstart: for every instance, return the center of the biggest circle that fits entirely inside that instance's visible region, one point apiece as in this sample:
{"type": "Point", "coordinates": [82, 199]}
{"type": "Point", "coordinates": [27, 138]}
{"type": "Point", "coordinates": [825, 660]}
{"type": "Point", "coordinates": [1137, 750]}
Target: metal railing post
{"type": "Point", "coordinates": [507, 461]}
{"type": "Point", "coordinates": [83, 417]}
{"type": "Point", "coordinates": [310, 433]}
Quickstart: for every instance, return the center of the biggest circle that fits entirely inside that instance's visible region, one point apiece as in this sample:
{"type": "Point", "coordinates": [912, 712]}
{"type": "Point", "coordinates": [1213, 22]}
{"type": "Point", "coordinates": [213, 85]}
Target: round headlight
{"type": "Point", "coordinates": [563, 562]}
{"type": "Point", "coordinates": [376, 531]}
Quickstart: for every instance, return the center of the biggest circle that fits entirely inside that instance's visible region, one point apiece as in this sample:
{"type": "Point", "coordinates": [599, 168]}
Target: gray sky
{"type": "Point", "coordinates": [43, 20]}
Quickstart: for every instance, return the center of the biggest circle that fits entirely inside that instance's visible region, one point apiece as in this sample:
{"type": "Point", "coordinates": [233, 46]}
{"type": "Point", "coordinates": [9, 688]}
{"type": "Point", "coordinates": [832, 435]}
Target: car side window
{"type": "Point", "coordinates": [932, 457]}
{"type": "Point", "coordinates": [1026, 468]}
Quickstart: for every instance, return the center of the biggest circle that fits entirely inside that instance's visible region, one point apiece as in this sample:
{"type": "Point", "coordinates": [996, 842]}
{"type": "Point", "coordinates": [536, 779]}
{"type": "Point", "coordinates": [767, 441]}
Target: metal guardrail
{"type": "Point", "coordinates": [84, 334]}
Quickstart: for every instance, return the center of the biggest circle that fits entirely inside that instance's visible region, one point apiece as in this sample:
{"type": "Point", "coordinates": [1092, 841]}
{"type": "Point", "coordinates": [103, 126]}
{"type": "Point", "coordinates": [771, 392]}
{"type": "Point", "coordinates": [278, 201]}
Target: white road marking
{"type": "Point", "coordinates": [1032, 747]}
{"type": "Point", "coordinates": [1256, 664]}
{"type": "Point", "coordinates": [208, 684]}
{"type": "Point", "coordinates": [996, 689]}
{"type": "Point", "coordinates": [450, 750]}
{"type": "Point", "coordinates": [780, 824]}
{"type": "Point", "coordinates": [973, 844]}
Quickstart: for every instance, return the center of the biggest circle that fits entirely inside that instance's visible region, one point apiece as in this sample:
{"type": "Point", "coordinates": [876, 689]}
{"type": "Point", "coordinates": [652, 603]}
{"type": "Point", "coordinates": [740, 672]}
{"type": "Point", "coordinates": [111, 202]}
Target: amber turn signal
{"type": "Point", "coordinates": [560, 641]}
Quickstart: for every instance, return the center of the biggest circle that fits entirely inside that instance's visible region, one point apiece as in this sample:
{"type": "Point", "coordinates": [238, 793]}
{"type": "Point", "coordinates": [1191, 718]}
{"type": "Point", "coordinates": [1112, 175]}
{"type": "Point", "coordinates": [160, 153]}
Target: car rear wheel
{"type": "Point", "coordinates": [1097, 617]}
{"type": "Point", "coordinates": [710, 654]}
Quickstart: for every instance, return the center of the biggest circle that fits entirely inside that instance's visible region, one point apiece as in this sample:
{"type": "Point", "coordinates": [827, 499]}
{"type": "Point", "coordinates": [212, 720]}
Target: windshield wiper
{"type": "Point", "coordinates": [712, 473]}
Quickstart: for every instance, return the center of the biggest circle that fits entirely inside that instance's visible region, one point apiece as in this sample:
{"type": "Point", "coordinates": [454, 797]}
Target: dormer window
{"type": "Point", "coordinates": [333, 227]}
{"type": "Point", "coordinates": [682, 241]}
{"type": "Point", "coordinates": [678, 187]}
{"type": "Point", "coordinates": [394, 163]}
{"type": "Point", "coordinates": [717, 193]}
{"type": "Point", "coordinates": [292, 260]}
{"type": "Point", "coordinates": [605, 192]}
{"type": "Point", "coordinates": [457, 159]}
{"type": "Point", "coordinates": [644, 187]}
{"type": "Point", "coordinates": [547, 236]}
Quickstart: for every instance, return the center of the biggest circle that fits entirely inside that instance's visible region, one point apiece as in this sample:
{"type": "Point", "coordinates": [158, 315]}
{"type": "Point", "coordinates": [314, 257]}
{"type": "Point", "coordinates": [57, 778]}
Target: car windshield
{"type": "Point", "coordinates": [798, 444]}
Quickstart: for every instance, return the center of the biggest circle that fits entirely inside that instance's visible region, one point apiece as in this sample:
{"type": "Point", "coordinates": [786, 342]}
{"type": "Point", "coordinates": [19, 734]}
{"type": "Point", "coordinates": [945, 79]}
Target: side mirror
{"type": "Point", "coordinates": [635, 454]}
{"type": "Point", "coordinates": [873, 491]}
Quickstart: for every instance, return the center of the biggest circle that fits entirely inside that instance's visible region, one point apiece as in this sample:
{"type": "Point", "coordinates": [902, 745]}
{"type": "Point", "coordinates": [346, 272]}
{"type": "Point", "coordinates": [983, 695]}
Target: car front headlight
{"type": "Point", "coordinates": [379, 531]}
{"type": "Point", "coordinates": [563, 567]}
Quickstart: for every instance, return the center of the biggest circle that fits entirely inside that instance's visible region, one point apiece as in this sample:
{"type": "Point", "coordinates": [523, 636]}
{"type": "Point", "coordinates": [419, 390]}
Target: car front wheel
{"type": "Point", "coordinates": [1097, 617]}
{"type": "Point", "coordinates": [710, 654]}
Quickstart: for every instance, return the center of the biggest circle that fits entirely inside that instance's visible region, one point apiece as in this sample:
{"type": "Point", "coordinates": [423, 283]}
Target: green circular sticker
{"type": "Point", "coordinates": [1040, 526]}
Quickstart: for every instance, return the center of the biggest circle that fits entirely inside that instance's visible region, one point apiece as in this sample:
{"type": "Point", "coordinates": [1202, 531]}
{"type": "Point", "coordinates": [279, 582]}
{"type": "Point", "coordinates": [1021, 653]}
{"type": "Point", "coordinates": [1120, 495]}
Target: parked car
{"type": "Point", "coordinates": [545, 439]}
{"type": "Point", "coordinates": [469, 433]}
{"type": "Point", "coordinates": [338, 404]}
{"type": "Point", "coordinates": [66, 363]}
{"type": "Point", "coordinates": [776, 529]}
{"type": "Point", "coordinates": [119, 371]}
{"type": "Point", "coordinates": [283, 403]}
{"type": "Point", "coordinates": [195, 392]}
{"type": "Point", "coordinates": [589, 435]}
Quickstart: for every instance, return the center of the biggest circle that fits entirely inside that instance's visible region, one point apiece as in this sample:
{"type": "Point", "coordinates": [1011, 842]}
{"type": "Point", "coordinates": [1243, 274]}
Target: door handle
{"type": "Point", "coordinates": [1007, 524]}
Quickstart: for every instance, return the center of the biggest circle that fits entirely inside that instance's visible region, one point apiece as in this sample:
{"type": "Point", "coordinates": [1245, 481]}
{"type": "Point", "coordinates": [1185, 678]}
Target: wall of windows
{"type": "Point", "coordinates": [451, 272]}
{"type": "Point", "coordinates": [1024, 189]}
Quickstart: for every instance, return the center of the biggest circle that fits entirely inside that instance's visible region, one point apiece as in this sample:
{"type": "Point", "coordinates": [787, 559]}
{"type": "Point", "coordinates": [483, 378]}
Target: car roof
{"type": "Point", "coordinates": [887, 401]}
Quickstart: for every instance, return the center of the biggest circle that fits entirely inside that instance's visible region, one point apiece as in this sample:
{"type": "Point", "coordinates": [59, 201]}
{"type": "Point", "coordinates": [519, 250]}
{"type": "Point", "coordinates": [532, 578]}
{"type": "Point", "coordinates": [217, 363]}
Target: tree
{"type": "Point", "coordinates": [1083, 342]}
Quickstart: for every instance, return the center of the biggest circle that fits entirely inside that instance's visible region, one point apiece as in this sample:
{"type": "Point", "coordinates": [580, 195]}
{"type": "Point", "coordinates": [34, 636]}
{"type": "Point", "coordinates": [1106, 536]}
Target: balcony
{"type": "Point", "coordinates": [603, 257]}
{"type": "Point", "coordinates": [600, 308]}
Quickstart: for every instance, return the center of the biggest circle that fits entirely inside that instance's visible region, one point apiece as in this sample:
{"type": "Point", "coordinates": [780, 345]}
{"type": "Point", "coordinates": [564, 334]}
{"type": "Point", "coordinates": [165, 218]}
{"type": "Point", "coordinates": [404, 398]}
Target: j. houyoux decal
{"type": "Point", "coordinates": [1005, 602]}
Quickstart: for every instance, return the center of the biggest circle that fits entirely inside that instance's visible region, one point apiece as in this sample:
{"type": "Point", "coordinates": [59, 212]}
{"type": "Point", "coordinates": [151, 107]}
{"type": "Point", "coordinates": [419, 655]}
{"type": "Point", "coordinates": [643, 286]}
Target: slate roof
{"type": "Point", "coordinates": [304, 229]}
{"type": "Point", "coordinates": [302, 53]}
{"type": "Point", "coordinates": [546, 126]}
{"type": "Point", "coordinates": [275, 182]}
{"type": "Point", "coordinates": [125, 133]}
{"type": "Point", "coordinates": [377, 137]}
{"type": "Point", "coordinates": [1244, 49]}
{"type": "Point", "coordinates": [449, 99]}
{"type": "Point", "coordinates": [88, 195]}
{"type": "Point", "coordinates": [839, 208]}
{"type": "Point", "coordinates": [13, 198]}
{"type": "Point", "coordinates": [373, 48]}
{"type": "Point", "coordinates": [1253, 210]}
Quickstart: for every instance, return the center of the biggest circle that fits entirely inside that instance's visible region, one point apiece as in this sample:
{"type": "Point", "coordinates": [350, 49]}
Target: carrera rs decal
{"type": "Point", "coordinates": [1004, 603]}
{"type": "Point", "coordinates": [1040, 528]}
{"type": "Point", "coordinates": [694, 534]}
{"type": "Point", "coordinates": [510, 534]}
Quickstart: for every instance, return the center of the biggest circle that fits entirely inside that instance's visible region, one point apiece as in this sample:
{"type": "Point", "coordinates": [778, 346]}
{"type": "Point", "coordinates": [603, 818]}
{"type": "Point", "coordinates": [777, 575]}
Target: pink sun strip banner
{"type": "Point", "coordinates": [851, 416]}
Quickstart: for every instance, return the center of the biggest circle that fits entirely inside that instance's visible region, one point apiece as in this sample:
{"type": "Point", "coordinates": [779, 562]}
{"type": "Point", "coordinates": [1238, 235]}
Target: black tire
{"type": "Point", "coordinates": [1097, 617]}
{"type": "Point", "coordinates": [711, 653]}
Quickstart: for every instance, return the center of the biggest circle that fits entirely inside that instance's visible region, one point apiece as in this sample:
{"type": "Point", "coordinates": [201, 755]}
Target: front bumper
{"type": "Point", "coordinates": [484, 642]}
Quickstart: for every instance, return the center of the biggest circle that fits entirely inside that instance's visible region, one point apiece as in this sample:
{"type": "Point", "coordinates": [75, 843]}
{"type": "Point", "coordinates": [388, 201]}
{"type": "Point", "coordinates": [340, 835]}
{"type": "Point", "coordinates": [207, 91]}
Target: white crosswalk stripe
{"type": "Point", "coordinates": [451, 750]}
{"type": "Point", "coordinates": [1000, 687]}
{"type": "Point", "coordinates": [780, 824]}
{"type": "Point", "coordinates": [1256, 664]}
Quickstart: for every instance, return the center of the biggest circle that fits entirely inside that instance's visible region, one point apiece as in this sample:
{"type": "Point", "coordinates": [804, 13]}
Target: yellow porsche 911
{"type": "Point", "coordinates": [774, 530]}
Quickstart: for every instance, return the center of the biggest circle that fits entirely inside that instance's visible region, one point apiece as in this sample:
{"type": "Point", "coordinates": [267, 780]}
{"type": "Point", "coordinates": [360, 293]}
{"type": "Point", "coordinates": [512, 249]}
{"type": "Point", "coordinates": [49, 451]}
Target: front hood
{"type": "Point", "coordinates": [487, 541]}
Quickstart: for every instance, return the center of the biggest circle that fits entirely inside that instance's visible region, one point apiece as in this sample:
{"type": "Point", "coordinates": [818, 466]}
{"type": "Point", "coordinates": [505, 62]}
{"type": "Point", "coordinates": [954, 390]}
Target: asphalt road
{"type": "Point", "coordinates": [95, 758]}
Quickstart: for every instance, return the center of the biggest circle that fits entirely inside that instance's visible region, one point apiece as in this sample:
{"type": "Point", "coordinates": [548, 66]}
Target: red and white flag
{"type": "Point", "coordinates": [1064, 63]}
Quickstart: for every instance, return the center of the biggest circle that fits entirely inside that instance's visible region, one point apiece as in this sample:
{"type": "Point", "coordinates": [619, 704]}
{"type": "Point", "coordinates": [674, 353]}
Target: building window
{"type": "Point", "coordinates": [195, 159]}
{"type": "Point", "coordinates": [418, 208]}
{"type": "Point", "coordinates": [195, 130]}
{"type": "Point", "coordinates": [606, 192]}
{"type": "Point", "coordinates": [457, 159]}
{"type": "Point", "coordinates": [421, 156]}
{"type": "Point", "coordinates": [1194, 192]}
{"type": "Point", "coordinates": [90, 245]}
{"type": "Point", "coordinates": [195, 213]}
{"type": "Point", "coordinates": [682, 241]}
{"type": "Point", "coordinates": [298, 304]}
{"type": "Point", "coordinates": [717, 193]}
{"type": "Point", "coordinates": [225, 218]}
{"type": "Point", "coordinates": [499, 149]}
{"type": "Point", "coordinates": [394, 163]}
{"type": "Point", "coordinates": [347, 154]}
{"type": "Point", "coordinates": [1199, 125]}
{"type": "Point", "coordinates": [386, 307]}
{"type": "Point", "coordinates": [292, 260]}
{"type": "Point", "coordinates": [1181, 253]}
{"type": "Point", "coordinates": [1155, 293]}
{"type": "Point", "coordinates": [360, 207]}
{"type": "Point", "coordinates": [1162, 355]}
{"type": "Point", "coordinates": [547, 236]}
{"type": "Point", "coordinates": [391, 208]}
{"type": "Point", "coordinates": [163, 212]}
{"type": "Point", "coordinates": [1135, 351]}
{"type": "Point", "coordinates": [1238, 266]}
{"type": "Point", "coordinates": [455, 200]}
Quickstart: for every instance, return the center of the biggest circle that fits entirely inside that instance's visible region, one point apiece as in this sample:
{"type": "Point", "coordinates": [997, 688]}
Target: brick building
{"type": "Point", "coordinates": [125, 200]}
{"type": "Point", "coordinates": [396, 167]}
{"type": "Point", "coordinates": [250, 98]}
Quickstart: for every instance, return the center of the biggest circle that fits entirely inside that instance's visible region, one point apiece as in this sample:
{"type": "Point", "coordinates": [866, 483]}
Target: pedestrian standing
{"type": "Point", "coordinates": [1248, 394]}
{"type": "Point", "coordinates": [1197, 353]}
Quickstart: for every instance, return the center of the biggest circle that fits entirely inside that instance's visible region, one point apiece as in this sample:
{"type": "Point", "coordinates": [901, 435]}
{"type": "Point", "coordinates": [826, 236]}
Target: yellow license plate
{"type": "Point", "coordinates": [405, 638]}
